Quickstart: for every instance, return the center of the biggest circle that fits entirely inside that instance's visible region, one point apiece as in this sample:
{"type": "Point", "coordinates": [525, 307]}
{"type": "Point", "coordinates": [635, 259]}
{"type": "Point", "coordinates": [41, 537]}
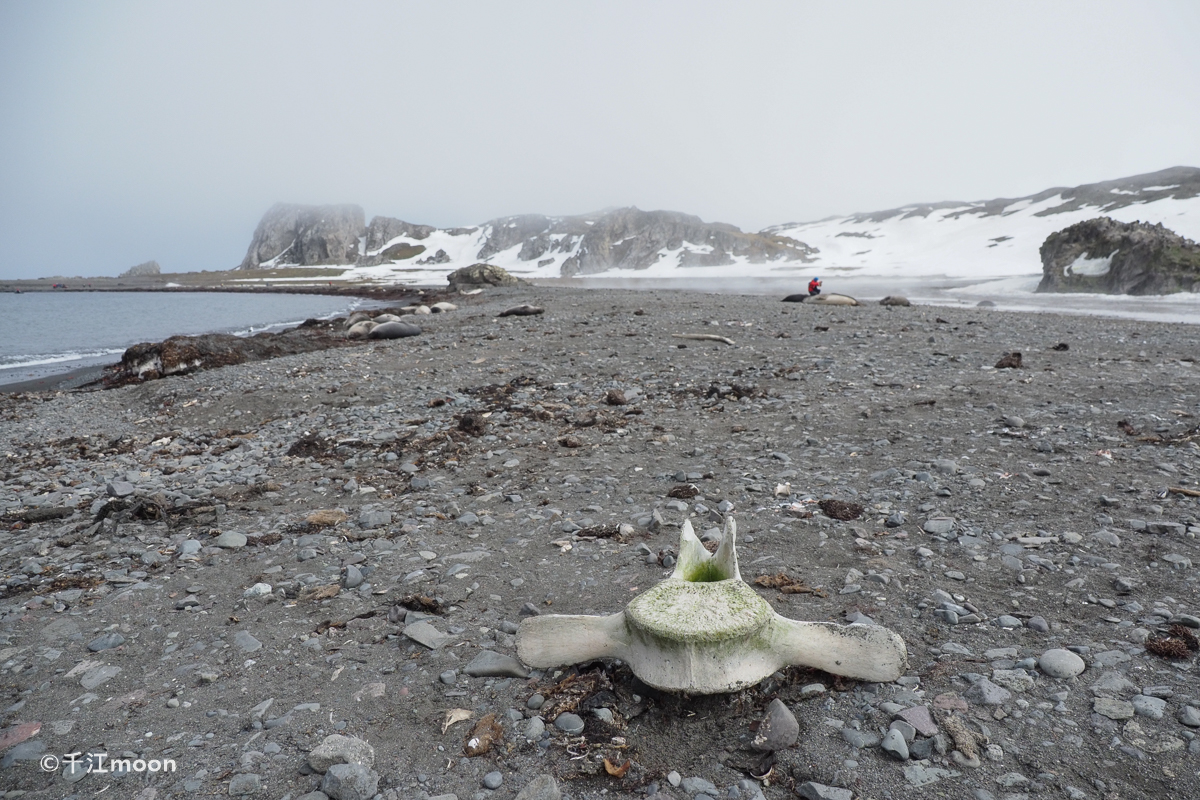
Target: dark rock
{"type": "Point", "coordinates": [1110, 257]}
{"type": "Point", "coordinates": [45, 513]}
{"type": "Point", "coordinates": [1009, 361]}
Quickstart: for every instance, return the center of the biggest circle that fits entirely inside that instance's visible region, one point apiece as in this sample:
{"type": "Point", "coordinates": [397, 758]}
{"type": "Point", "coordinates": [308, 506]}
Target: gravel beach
{"type": "Point", "coordinates": [303, 577]}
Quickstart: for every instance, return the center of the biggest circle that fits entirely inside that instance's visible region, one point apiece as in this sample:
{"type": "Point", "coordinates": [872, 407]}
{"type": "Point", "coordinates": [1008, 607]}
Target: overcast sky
{"type": "Point", "coordinates": [132, 131]}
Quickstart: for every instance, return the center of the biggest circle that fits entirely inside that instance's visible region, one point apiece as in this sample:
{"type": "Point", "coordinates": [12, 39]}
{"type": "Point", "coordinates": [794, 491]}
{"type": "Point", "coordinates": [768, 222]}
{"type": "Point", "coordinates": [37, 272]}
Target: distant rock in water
{"type": "Point", "coordinates": [1108, 257]}
{"type": "Point", "coordinates": [306, 235]}
{"type": "Point", "coordinates": [482, 275]}
{"type": "Point", "coordinates": [149, 268]}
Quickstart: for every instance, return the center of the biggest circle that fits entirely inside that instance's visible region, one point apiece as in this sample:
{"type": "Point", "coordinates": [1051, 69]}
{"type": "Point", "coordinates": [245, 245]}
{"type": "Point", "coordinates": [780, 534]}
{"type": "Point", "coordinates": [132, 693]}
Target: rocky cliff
{"type": "Point", "coordinates": [306, 235]}
{"type": "Point", "coordinates": [141, 270]}
{"type": "Point", "coordinates": [629, 238]}
{"type": "Point", "coordinates": [1109, 257]}
{"type": "Point", "coordinates": [625, 238]}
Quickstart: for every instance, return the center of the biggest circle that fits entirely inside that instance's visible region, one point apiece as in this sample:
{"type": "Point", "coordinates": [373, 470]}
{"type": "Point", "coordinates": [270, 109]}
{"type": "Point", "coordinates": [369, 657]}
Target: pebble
{"type": "Point", "coordinates": [819, 791]}
{"type": "Point", "coordinates": [920, 718]}
{"type": "Point", "coordinates": [1059, 663]}
{"type": "Point", "coordinates": [535, 728]}
{"type": "Point", "coordinates": [350, 782]}
{"type": "Point", "coordinates": [246, 642]}
{"type": "Point", "coordinates": [893, 743]}
{"type": "Point", "coordinates": [860, 739]}
{"type": "Point", "coordinates": [231, 540]}
{"type": "Point", "coordinates": [1152, 707]}
{"type": "Point", "coordinates": [245, 784]}
{"type": "Point", "coordinates": [493, 780]}
{"type": "Point", "coordinates": [693, 786]}
{"type": "Point", "coordinates": [1189, 716]}
{"type": "Point", "coordinates": [778, 730]}
{"type": "Point", "coordinates": [543, 787]}
{"type": "Point", "coordinates": [984, 692]}
{"type": "Point", "coordinates": [490, 663]}
{"type": "Point", "coordinates": [106, 641]}
{"type": "Point", "coordinates": [339, 749]}
{"type": "Point", "coordinates": [1113, 708]}
{"type": "Point", "coordinates": [569, 723]}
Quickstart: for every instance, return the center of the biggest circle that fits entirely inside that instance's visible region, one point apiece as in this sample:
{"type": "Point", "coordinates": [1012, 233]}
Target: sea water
{"type": "Point", "coordinates": [47, 333]}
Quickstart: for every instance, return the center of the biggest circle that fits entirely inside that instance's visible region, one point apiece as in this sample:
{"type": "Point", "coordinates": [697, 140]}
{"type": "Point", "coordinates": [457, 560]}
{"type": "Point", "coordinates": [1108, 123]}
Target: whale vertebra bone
{"type": "Point", "coordinates": [704, 631]}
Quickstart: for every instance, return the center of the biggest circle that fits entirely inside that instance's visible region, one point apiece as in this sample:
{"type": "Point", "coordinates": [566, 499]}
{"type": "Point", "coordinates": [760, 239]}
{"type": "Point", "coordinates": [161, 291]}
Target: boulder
{"type": "Point", "coordinates": [482, 275]}
{"type": "Point", "coordinates": [1108, 257]}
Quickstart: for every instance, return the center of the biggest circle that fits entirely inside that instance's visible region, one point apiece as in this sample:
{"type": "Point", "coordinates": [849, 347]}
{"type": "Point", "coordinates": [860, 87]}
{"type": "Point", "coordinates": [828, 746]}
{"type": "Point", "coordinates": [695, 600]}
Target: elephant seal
{"type": "Point", "coordinates": [394, 330]}
{"type": "Point", "coordinates": [355, 318]}
{"type": "Point", "coordinates": [521, 311]}
{"type": "Point", "coordinates": [382, 318]}
{"type": "Point", "coordinates": [833, 300]}
{"type": "Point", "coordinates": [795, 298]}
{"type": "Point", "coordinates": [443, 307]}
{"type": "Point", "coordinates": [360, 330]}
{"type": "Point", "coordinates": [894, 300]}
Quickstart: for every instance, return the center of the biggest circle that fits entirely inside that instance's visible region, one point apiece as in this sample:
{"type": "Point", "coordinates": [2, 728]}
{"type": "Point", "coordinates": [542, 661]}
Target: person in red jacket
{"type": "Point", "coordinates": [814, 287]}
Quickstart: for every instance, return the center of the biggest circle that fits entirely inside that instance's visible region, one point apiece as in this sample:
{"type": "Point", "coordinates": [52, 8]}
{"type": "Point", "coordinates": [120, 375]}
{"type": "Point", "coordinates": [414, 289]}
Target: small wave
{"type": "Point", "coordinates": [20, 361]}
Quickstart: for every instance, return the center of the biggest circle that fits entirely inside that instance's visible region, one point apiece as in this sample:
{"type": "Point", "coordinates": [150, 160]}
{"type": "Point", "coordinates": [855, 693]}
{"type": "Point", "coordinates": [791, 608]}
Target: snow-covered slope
{"type": "Point", "coordinates": [992, 239]}
{"type": "Point", "coordinates": [972, 240]}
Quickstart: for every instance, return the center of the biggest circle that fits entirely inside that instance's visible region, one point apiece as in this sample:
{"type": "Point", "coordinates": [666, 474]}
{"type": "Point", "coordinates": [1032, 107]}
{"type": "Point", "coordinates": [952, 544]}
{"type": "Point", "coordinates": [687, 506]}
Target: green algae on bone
{"type": "Point", "coordinates": [704, 572]}
{"type": "Point", "coordinates": [704, 631]}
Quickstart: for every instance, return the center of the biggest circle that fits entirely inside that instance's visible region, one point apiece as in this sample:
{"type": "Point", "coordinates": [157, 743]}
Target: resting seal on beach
{"type": "Point", "coordinates": [894, 300]}
{"type": "Point", "coordinates": [394, 330]}
{"type": "Point", "coordinates": [359, 330]}
{"type": "Point", "coordinates": [832, 300]}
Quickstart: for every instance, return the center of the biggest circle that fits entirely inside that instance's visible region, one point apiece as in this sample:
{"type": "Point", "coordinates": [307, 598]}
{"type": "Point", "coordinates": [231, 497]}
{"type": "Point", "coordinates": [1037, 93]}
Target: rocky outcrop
{"type": "Point", "coordinates": [306, 235]}
{"type": "Point", "coordinates": [142, 270]}
{"type": "Point", "coordinates": [383, 229]}
{"type": "Point", "coordinates": [633, 239]}
{"type": "Point", "coordinates": [482, 275]}
{"type": "Point", "coordinates": [1105, 256]}
{"type": "Point", "coordinates": [629, 238]}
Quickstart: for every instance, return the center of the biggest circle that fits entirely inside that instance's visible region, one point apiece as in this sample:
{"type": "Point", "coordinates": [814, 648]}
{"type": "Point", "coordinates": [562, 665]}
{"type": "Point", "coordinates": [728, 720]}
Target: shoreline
{"type": "Point", "coordinates": [79, 377]}
{"type": "Point", "coordinates": [75, 376]}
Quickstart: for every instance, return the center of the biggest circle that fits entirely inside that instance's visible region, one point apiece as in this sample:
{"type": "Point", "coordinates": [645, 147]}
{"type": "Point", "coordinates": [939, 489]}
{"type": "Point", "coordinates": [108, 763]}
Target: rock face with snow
{"type": "Point", "coordinates": [482, 275]}
{"type": "Point", "coordinates": [1109, 257]}
{"type": "Point", "coordinates": [141, 270]}
{"type": "Point", "coordinates": [629, 238]}
{"type": "Point", "coordinates": [306, 236]}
